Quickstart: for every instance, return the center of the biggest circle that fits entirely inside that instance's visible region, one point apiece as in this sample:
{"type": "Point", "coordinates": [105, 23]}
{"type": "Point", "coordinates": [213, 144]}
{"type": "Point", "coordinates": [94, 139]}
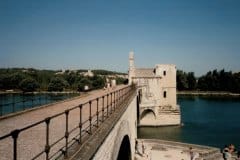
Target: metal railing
{"type": "Point", "coordinates": [103, 107]}
{"type": "Point", "coordinates": [25, 103]}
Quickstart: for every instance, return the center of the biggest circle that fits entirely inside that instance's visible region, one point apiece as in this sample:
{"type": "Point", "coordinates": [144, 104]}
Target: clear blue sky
{"type": "Point", "coordinates": [196, 35]}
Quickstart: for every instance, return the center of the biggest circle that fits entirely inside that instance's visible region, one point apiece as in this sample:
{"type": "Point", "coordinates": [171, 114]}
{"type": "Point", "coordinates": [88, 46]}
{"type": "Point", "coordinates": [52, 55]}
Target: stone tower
{"type": "Point", "coordinates": [131, 73]}
{"type": "Point", "coordinates": [156, 94]}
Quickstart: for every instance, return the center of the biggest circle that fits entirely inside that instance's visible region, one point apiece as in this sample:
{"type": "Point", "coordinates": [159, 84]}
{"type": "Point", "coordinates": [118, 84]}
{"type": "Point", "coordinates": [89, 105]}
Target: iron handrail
{"type": "Point", "coordinates": [115, 98]}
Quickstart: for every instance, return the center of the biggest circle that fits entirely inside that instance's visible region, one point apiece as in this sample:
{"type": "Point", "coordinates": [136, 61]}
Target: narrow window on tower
{"type": "Point", "coordinates": [164, 94]}
{"type": "Point", "coordinates": [164, 73]}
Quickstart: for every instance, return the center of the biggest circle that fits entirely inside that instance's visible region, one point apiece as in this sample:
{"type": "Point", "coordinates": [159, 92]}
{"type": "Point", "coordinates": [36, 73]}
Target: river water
{"type": "Point", "coordinates": [212, 121]}
{"type": "Point", "coordinates": [10, 103]}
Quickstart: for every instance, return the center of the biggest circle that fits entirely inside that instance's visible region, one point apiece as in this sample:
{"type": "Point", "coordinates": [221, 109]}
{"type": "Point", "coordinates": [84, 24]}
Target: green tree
{"type": "Point", "coordinates": [44, 78]}
{"type": "Point", "coordinates": [202, 84]}
{"type": "Point", "coordinates": [191, 80]}
{"type": "Point", "coordinates": [70, 78]}
{"type": "Point", "coordinates": [57, 84]}
{"type": "Point", "coordinates": [97, 82]}
{"type": "Point", "coordinates": [182, 83]}
{"type": "Point", "coordinates": [236, 83]}
{"type": "Point", "coordinates": [29, 85]}
{"type": "Point", "coordinates": [4, 81]}
{"type": "Point", "coordinates": [218, 81]}
{"type": "Point", "coordinates": [120, 80]}
{"type": "Point", "coordinates": [84, 82]}
{"type": "Point", "coordinates": [15, 80]}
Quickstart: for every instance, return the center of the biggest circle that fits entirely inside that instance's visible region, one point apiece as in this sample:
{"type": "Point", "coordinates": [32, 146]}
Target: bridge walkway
{"type": "Point", "coordinates": [59, 124]}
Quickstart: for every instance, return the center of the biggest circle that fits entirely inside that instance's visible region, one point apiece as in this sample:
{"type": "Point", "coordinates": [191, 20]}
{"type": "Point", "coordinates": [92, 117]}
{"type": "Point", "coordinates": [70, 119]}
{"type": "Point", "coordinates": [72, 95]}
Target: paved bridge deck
{"type": "Point", "coordinates": [32, 141]}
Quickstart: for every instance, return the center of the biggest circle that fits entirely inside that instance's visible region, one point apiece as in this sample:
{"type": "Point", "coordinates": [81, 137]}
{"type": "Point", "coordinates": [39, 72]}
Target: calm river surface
{"type": "Point", "coordinates": [10, 103]}
{"type": "Point", "coordinates": [208, 121]}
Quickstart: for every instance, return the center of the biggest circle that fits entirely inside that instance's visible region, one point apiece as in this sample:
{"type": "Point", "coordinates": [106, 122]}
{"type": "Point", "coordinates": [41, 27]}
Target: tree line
{"type": "Point", "coordinates": [29, 80]}
{"type": "Point", "coordinates": [212, 81]}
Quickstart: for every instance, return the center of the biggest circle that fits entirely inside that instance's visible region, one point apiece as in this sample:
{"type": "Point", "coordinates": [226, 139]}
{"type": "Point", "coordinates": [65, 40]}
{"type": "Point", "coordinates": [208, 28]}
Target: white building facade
{"type": "Point", "coordinates": [156, 94]}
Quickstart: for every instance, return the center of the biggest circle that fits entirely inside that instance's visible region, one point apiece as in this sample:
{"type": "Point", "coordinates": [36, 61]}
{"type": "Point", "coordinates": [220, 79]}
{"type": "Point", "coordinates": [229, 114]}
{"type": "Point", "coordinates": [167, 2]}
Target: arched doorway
{"type": "Point", "coordinates": [125, 149]}
{"type": "Point", "coordinates": [147, 116]}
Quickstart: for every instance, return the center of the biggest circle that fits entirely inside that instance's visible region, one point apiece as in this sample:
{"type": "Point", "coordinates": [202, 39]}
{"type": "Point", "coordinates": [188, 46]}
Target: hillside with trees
{"type": "Point", "coordinates": [30, 79]}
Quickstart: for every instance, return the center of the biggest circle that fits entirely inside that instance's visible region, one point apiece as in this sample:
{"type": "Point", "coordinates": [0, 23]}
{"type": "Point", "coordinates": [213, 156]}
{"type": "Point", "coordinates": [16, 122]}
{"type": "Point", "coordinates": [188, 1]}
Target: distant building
{"type": "Point", "coordinates": [60, 72]}
{"type": "Point", "coordinates": [89, 73]}
{"type": "Point", "coordinates": [156, 94]}
{"type": "Point", "coordinates": [86, 88]}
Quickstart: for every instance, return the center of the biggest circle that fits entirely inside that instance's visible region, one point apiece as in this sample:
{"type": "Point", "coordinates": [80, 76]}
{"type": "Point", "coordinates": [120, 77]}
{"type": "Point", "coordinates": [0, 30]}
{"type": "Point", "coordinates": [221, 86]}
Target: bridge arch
{"type": "Point", "coordinates": [148, 114]}
{"type": "Point", "coordinates": [123, 139]}
{"type": "Point", "coordinates": [125, 149]}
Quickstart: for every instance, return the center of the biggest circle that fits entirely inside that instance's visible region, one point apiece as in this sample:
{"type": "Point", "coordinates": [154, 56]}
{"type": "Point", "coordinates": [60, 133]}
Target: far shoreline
{"type": "Point", "coordinates": [208, 93]}
{"type": "Point", "coordinates": [187, 93]}
{"type": "Point", "coordinates": [39, 92]}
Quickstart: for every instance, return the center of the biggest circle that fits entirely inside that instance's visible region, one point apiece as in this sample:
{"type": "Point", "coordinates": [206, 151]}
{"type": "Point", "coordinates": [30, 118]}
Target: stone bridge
{"type": "Point", "coordinates": [99, 125]}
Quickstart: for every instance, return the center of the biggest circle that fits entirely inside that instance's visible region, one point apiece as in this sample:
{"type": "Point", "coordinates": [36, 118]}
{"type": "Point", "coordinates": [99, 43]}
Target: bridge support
{"type": "Point", "coordinates": [115, 137]}
{"type": "Point", "coordinates": [120, 143]}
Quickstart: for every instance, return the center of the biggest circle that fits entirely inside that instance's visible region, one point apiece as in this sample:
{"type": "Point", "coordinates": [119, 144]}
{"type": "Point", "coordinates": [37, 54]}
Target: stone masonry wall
{"type": "Point", "coordinates": [125, 126]}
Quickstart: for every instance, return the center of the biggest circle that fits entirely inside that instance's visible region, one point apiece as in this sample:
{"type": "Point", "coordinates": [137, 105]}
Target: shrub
{"type": "Point", "coordinates": [57, 84]}
{"type": "Point", "coordinates": [29, 85]}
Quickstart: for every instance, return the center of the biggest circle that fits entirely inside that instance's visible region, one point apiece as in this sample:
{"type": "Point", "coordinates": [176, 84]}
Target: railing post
{"type": "Point", "coordinates": [102, 108]}
{"type": "Point", "coordinates": [107, 104]}
{"type": "Point", "coordinates": [120, 96]}
{"type": "Point", "coordinates": [39, 99]}
{"type": "Point", "coordinates": [13, 107]}
{"type": "Point", "coordinates": [13, 104]}
{"type": "Point", "coordinates": [125, 92]}
{"type": "Point", "coordinates": [47, 146]}
{"type": "Point", "coordinates": [1, 109]}
{"type": "Point", "coordinates": [111, 103]}
{"type": "Point", "coordinates": [23, 104]}
{"type": "Point", "coordinates": [97, 111]}
{"type": "Point", "coordinates": [90, 117]}
{"type": "Point", "coordinates": [66, 134]}
{"type": "Point", "coordinates": [14, 135]}
{"type": "Point", "coordinates": [45, 99]}
{"type": "Point", "coordinates": [80, 123]}
{"type": "Point", "coordinates": [117, 98]}
{"type": "Point", "coordinates": [114, 97]}
{"type": "Point", "coordinates": [32, 101]}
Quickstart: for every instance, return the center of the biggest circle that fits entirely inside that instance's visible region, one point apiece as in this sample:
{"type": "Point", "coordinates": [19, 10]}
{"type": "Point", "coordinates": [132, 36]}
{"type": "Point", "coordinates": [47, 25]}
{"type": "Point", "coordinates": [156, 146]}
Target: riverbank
{"type": "Point", "coordinates": [155, 149]}
{"type": "Point", "coordinates": [208, 93]}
